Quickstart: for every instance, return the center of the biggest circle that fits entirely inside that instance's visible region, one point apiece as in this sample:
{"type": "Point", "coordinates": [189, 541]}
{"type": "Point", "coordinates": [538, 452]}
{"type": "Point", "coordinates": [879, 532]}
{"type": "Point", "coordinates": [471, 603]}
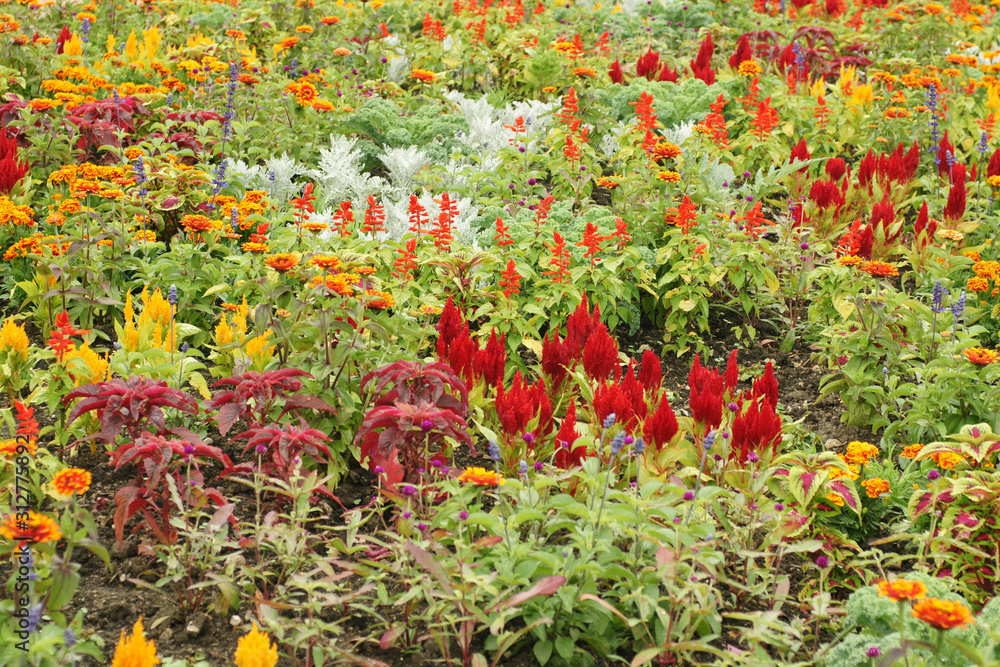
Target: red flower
{"type": "Point", "coordinates": [615, 72]}
{"type": "Point", "coordinates": [542, 214]}
{"type": "Point", "coordinates": [800, 152]}
{"type": "Point", "coordinates": [621, 233]}
{"type": "Point", "coordinates": [924, 229]}
{"type": "Point", "coordinates": [661, 426]}
{"type": "Point", "coordinates": [374, 217]}
{"type": "Point", "coordinates": [742, 53]}
{"type": "Point", "coordinates": [491, 362]}
{"type": "Point", "coordinates": [449, 326]}
{"type": "Point", "coordinates": [560, 260]}
{"type": "Point", "coordinates": [955, 209]}
{"type": "Point", "coordinates": [706, 387]}
{"type": "Point", "coordinates": [522, 403]}
{"type": "Point", "coordinates": [635, 394]}
{"type": "Point", "coordinates": [557, 356]}
{"type": "Point", "coordinates": [462, 355]}
{"type": "Point", "coordinates": [568, 456]}
{"type": "Point", "coordinates": [650, 372]}
{"type": "Point", "coordinates": [600, 354]}
{"type": "Point", "coordinates": [27, 426]}
{"type": "Point", "coordinates": [344, 217]}
{"type": "Point", "coordinates": [732, 374]}
{"type": "Point", "coordinates": [510, 279]}
{"type": "Point", "coordinates": [304, 204]}
{"type": "Point", "coordinates": [11, 169]}
{"type": "Point", "coordinates": [755, 430]}
{"type": "Point", "coordinates": [825, 194]}
{"type": "Point", "coordinates": [592, 242]}
{"type": "Point", "coordinates": [418, 216]}
{"type": "Point", "coordinates": [580, 325]}
{"type": "Point", "coordinates": [701, 66]}
{"type": "Point", "coordinates": [767, 386]}
{"type": "Point", "coordinates": [835, 168]}
{"type": "Point", "coordinates": [445, 221]}
{"type": "Point", "coordinates": [611, 399]}
{"type": "Point", "coordinates": [502, 239]}
{"type": "Point", "coordinates": [60, 337]}
{"type": "Point", "coordinates": [993, 168]}
{"type": "Point", "coordinates": [407, 260]}
{"type": "Point", "coordinates": [648, 64]}
{"type": "Point", "coordinates": [944, 148]}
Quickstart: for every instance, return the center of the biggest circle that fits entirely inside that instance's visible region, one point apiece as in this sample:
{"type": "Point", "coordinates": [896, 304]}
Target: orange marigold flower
{"type": "Point", "coordinates": [38, 528]}
{"type": "Point", "coordinates": [836, 499]}
{"type": "Point", "coordinates": [988, 269]}
{"type": "Point", "coordinates": [43, 104]}
{"type": "Point", "coordinates": [481, 477]}
{"type": "Point", "coordinates": [912, 451]}
{"type": "Point", "coordinates": [981, 356]}
{"type": "Point", "coordinates": [972, 254]}
{"type": "Point", "coordinates": [879, 269]}
{"type": "Point", "coordinates": [859, 453]}
{"type": "Point", "coordinates": [423, 75]}
{"type": "Point", "coordinates": [379, 299]}
{"type": "Point", "coordinates": [282, 261]}
{"type": "Point", "coordinates": [584, 72]}
{"type": "Point", "coordinates": [71, 480]}
{"type": "Point", "coordinates": [977, 284]}
{"type": "Point", "coordinates": [364, 270]}
{"type": "Point", "coordinates": [255, 246]}
{"type": "Point", "coordinates": [947, 460]}
{"type": "Point", "coordinates": [329, 20]}
{"type": "Point", "coordinates": [901, 589]}
{"type": "Point", "coordinates": [942, 614]}
{"type": "Point", "coordinates": [875, 487]}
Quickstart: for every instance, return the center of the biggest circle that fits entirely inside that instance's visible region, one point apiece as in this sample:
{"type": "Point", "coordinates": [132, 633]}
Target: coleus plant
{"type": "Point", "coordinates": [414, 420]}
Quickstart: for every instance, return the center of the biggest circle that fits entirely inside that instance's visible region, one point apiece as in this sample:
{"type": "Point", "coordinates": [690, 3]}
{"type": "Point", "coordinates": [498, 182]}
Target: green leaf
{"type": "Point", "coordinates": [565, 647]}
{"type": "Point", "coordinates": [543, 651]}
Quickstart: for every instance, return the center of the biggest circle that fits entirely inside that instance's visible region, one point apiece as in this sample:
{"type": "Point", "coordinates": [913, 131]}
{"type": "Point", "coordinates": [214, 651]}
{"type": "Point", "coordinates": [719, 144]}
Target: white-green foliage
{"type": "Point", "coordinates": [339, 170]}
{"type": "Point", "coordinates": [276, 176]}
{"type": "Point", "coordinates": [403, 164]}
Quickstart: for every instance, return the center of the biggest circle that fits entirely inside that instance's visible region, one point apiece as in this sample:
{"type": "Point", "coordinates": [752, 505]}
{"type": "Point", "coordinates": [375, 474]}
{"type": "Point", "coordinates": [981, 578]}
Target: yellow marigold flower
{"type": "Point", "coordinates": [912, 451]}
{"type": "Point", "coordinates": [283, 261]}
{"type": "Point", "coordinates": [38, 528]}
{"type": "Point", "coordinates": [71, 480]}
{"type": "Point", "coordinates": [947, 460]}
{"type": "Point", "coordinates": [879, 269]}
{"type": "Point", "coordinates": [423, 75]}
{"type": "Point", "coordinates": [481, 477]}
{"type": "Point", "coordinates": [135, 651]}
{"type": "Point", "coordinates": [859, 453]}
{"type": "Point", "coordinates": [981, 356]}
{"type": "Point", "coordinates": [994, 181]}
{"type": "Point", "coordinates": [584, 72]}
{"type": "Point", "coordinates": [569, 48]}
{"type": "Point", "coordinates": [256, 650]}
{"type": "Point", "coordinates": [942, 614]}
{"type": "Point", "coordinates": [669, 176]}
{"type": "Point", "coordinates": [933, 8]}
{"type": "Point", "coordinates": [875, 487]}
{"type": "Point", "coordinates": [850, 260]}
{"type": "Point", "coordinates": [12, 337]}
{"type": "Point", "coordinates": [972, 254]}
{"type": "Point", "coordinates": [837, 473]}
{"type": "Point", "coordinates": [901, 589]}
{"type": "Point", "coordinates": [749, 68]}
{"type": "Point", "coordinates": [836, 499]}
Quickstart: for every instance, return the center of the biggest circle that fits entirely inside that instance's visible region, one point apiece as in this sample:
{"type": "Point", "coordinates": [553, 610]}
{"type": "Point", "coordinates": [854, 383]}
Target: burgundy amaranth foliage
{"type": "Point", "coordinates": [156, 459]}
{"type": "Point", "coordinates": [414, 382]}
{"type": "Point", "coordinates": [131, 405]}
{"type": "Point", "coordinates": [12, 168]}
{"type": "Point", "coordinates": [254, 395]}
{"type": "Point", "coordinates": [281, 448]}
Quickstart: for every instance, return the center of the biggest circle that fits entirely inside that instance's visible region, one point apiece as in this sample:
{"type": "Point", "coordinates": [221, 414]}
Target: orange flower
{"type": "Point", "coordinates": [71, 480]}
{"type": "Point", "coordinates": [850, 260]}
{"type": "Point", "coordinates": [836, 499]}
{"type": "Point", "coordinates": [197, 223]}
{"type": "Point", "coordinates": [423, 75]}
{"type": "Point", "coordinates": [981, 356]}
{"type": "Point", "coordinates": [43, 104]}
{"type": "Point", "coordinates": [9, 447]}
{"type": "Point", "coordinates": [329, 20]}
{"type": "Point", "coordinates": [859, 453]}
{"type": "Point", "coordinates": [282, 261]}
{"type": "Point", "coordinates": [325, 262]}
{"type": "Point", "coordinates": [255, 246]}
{"type": "Point", "coordinates": [901, 589]}
{"type": "Point", "coordinates": [947, 460]}
{"type": "Point", "coordinates": [879, 269]}
{"type": "Point", "coordinates": [38, 528]}
{"type": "Point", "coordinates": [977, 284]}
{"type": "Point", "coordinates": [585, 72]}
{"type": "Point", "coordinates": [875, 487]}
{"type": "Point", "coordinates": [380, 300]}
{"type": "Point", "coordinates": [481, 477]}
{"type": "Point", "coordinates": [665, 149]}
{"type": "Point", "coordinates": [912, 451]}
{"type": "Point", "coordinates": [942, 614]}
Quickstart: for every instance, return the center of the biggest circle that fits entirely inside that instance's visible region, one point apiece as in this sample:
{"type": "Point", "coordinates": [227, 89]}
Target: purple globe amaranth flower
{"type": "Point", "coordinates": [933, 475]}
{"type": "Point", "coordinates": [379, 470]}
{"type": "Point", "coordinates": [873, 652]}
{"type": "Point", "coordinates": [426, 425]}
{"type": "Point", "coordinates": [822, 562]}
{"type": "Point", "coordinates": [463, 515]}
{"type": "Point", "coordinates": [752, 457]}
{"type": "Point", "coordinates": [779, 506]}
{"type": "Point", "coordinates": [538, 465]}
{"type": "Point", "coordinates": [733, 407]}
{"type": "Point", "coordinates": [688, 495]}
{"type": "Point", "coordinates": [529, 438]}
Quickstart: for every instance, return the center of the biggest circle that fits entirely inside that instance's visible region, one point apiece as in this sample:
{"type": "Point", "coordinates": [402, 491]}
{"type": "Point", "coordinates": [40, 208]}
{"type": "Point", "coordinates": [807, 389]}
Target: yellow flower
{"type": "Point", "coordinates": [223, 332]}
{"type": "Point", "coordinates": [256, 650]}
{"type": "Point", "coordinates": [259, 349]}
{"type": "Point", "coordinates": [749, 68]}
{"type": "Point", "coordinates": [859, 453]}
{"type": "Point", "coordinates": [947, 460]}
{"type": "Point", "coordinates": [135, 651]}
{"type": "Point", "coordinates": [12, 337]}
{"type": "Point", "coordinates": [71, 480]}
{"type": "Point", "coordinates": [97, 364]}
{"type": "Point", "coordinates": [875, 487]}
{"type": "Point", "coordinates": [38, 528]}
{"type": "Point", "coordinates": [836, 499]}
{"type": "Point", "coordinates": [981, 356]}
{"type": "Point", "coordinates": [912, 451]}
{"type": "Point", "coordinates": [669, 176]}
{"type": "Point", "coordinates": [423, 75]}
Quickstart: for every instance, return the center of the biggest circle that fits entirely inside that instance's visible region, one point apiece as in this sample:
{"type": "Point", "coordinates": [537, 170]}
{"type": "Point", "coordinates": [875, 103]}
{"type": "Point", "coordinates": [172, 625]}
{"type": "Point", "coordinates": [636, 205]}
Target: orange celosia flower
{"type": "Point", "coordinates": [71, 480]}
{"type": "Point", "coordinates": [901, 589]}
{"type": "Point", "coordinates": [942, 614]}
{"type": "Point", "coordinates": [481, 477]}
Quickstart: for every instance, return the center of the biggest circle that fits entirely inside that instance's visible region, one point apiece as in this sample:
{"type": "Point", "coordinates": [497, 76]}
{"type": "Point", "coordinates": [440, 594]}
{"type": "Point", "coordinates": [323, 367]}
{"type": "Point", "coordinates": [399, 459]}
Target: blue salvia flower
{"type": "Point", "coordinates": [639, 447]}
{"type": "Point", "coordinates": [494, 451]}
{"type": "Point", "coordinates": [522, 468]}
{"type": "Point", "coordinates": [931, 104]}
{"type": "Point", "coordinates": [950, 159]}
{"type": "Point", "coordinates": [140, 176]}
{"type": "Point", "coordinates": [937, 300]}
{"type": "Point", "coordinates": [295, 63]}
{"type": "Point", "coordinates": [983, 144]}
{"type": "Point", "coordinates": [617, 443]}
{"type": "Point", "coordinates": [709, 440]}
{"type": "Point", "coordinates": [69, 638]}
{"type": "Point", "coordinates": [172, 295]}
{"type": "Point", "coordinates": [185, 347]}
{"type": "Point", "coordinates": [234, 219]}
{"type": "Point", "coordinates": [34, 617]}
{"type": "Point", "coordinates": [800, 56]}
{"type": "Point", "coordinates": [219, 181]}
{"type": "Point", "coordinates": [170, 98]}
{"type": "Point", "coordinates": [609, 421]}
{"type": "Point", "coordinates": [85, 30]}
{"type": "Point", "coordinates": [957, 311]}
{"type": "Point", "coordinates": [32, 575]}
